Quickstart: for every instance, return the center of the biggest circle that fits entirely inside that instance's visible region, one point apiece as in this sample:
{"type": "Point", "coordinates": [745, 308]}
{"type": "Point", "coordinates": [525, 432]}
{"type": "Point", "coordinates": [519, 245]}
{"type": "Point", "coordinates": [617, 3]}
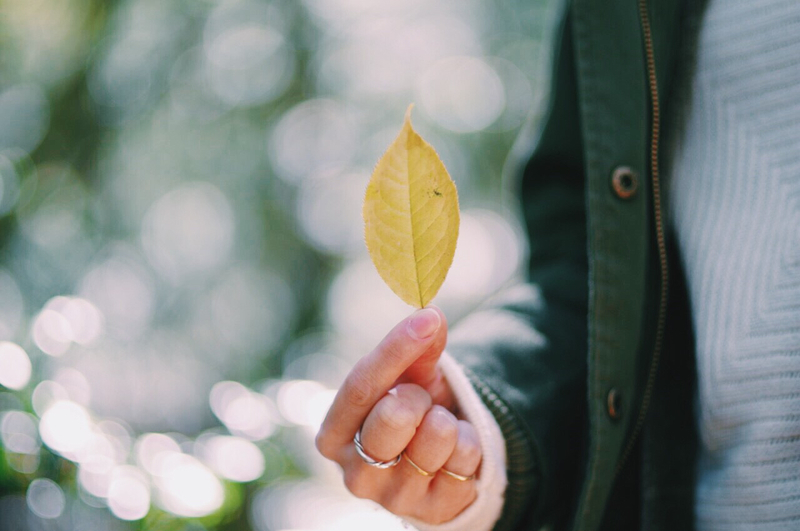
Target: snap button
{"type": "Point", "coordinates": [614, 404]}
{"type": "Point", "coordinates": [625, 182]}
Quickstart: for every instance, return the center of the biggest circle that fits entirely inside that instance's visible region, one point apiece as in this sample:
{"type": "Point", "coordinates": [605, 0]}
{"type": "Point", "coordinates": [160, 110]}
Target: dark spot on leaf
{"type": "Point", "coordinates": [437, 192]}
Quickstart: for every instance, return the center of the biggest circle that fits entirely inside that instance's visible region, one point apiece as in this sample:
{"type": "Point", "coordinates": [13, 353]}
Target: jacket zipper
{"type": "Point", "coordinates": [655, 132]}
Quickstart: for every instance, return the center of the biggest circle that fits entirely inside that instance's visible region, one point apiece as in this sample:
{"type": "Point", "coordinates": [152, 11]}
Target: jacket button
{"type": "Point", "coordinates": [614, 404]}
{"type": "Point", "coordinates": [625, 182]}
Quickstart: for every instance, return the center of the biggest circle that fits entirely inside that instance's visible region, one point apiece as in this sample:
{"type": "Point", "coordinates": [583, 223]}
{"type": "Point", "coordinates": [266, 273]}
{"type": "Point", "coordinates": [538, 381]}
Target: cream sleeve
{"type": "Point", "coordinates": [491, 482]}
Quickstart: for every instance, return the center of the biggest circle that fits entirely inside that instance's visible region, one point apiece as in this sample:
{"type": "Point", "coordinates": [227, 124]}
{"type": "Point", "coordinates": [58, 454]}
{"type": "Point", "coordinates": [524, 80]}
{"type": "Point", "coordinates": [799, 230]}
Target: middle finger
{"type": "Point", "coordinates": [432, 445]}
{"type": "Point", "coordinates": [393, 421]}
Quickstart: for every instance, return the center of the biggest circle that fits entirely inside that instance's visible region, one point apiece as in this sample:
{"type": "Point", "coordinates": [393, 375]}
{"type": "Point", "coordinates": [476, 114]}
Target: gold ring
{"type": "Point", "coordinates": [457, 476]}
{"type": "Point", "coordinates": [416, 466]}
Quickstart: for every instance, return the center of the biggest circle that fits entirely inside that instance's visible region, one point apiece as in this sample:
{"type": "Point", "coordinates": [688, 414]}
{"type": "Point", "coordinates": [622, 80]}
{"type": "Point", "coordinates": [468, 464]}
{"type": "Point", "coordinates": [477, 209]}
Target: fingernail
{"type": "Point", "coordinates": [444, 417]}
{"type": "Point", "coordinates": [424, 323]}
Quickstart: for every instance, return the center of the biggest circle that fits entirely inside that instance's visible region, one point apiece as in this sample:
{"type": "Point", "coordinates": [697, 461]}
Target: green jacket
{"type": "Point", "coordinates": [597, 412]}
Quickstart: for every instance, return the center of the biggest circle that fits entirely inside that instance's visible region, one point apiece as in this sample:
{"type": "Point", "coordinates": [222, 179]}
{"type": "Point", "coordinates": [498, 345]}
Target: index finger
{"type": "Point", "coordinates": [376, 373]}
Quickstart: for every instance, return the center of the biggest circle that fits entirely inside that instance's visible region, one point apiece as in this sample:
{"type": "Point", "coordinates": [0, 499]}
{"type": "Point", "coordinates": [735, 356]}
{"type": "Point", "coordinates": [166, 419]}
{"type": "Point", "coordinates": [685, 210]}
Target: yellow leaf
{"type": "Point", "coordinates": [411, 217]}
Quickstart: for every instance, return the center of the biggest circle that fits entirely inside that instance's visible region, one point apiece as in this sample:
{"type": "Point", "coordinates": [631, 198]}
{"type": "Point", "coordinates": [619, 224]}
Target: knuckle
{"type": "Point", "coordinates": [468, 448]}
{"type": "Point", "coordinates": [438, 516]}
{"type": "Point", "coordinates": [358, 390]}
{"type": "Point", "coordinates": [469, 453]}
{"type": "Point", "coordinates": [354, 481]}
{"type": "Point", "coordinates": [394, 350]}
{"type": "Point", "coordinates": [442, 439]}
{"type": "Point", "coordinates": [443, 424]}
{"type": "Point", "coordinates": [394, 415]}
{"type": "Point", "coordinates": [472, 495]}
{"type": "Point", "coordinates": [320, 441]}
{"type": "Point", "coordinates": [444, 510]}
{"type": "Point", "coordinates": [466, 500]}
{"type": "Point", "coordinates": [410, 388]}
{"type": "Point", "coordinates": [393, 504]}
{"type": "Point", "coordinates": [414, 395]}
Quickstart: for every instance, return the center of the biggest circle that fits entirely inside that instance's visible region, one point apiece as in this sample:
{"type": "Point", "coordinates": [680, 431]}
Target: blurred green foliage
{"type": "Point", "coordinates": [180, 207]}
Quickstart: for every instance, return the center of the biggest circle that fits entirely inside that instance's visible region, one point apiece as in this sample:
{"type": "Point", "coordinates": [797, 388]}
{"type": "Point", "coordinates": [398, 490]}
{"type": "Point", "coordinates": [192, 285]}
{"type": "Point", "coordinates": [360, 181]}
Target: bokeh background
{"type": "Point", "coordinates": [183, 280]}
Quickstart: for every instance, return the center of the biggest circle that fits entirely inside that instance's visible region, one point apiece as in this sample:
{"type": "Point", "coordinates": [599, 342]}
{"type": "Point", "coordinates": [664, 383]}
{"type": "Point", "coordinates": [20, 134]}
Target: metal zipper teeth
{"type": "Point", "coordinates": [644, 18]}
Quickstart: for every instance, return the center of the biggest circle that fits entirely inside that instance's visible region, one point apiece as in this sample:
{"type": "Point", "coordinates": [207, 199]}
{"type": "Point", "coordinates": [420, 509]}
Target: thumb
{"type": "Point", "coordinates": [424, 370]}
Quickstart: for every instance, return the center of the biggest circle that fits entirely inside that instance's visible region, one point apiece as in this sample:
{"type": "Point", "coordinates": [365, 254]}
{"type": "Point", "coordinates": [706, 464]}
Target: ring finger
{"type": "Point", "coordinates": [452, 492]}
{"type": "Point", "coordinates": [431, 446]}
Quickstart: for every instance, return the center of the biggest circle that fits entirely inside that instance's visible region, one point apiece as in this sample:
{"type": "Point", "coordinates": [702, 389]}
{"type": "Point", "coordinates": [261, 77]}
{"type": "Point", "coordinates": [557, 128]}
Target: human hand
{"type": "Point", "coordinates": [398, 398]}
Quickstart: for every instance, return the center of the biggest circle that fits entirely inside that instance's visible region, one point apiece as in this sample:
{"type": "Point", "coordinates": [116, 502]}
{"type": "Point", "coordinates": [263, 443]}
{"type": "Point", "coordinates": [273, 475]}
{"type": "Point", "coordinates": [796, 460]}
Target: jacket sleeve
{"type": "Point", "coordinates": [526, 353]}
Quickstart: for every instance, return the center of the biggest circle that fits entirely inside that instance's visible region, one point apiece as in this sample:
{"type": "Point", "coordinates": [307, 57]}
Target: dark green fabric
{"type": "Point", "coordinates": [545, 355]}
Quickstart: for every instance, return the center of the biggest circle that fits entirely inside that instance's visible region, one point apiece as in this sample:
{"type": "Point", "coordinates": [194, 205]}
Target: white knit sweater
{"type": "Point", "coordinates": [735, 206]}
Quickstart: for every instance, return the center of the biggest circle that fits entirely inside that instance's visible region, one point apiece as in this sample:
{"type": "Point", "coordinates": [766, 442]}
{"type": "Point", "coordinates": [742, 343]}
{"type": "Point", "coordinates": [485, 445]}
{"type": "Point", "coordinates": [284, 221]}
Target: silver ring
{"type": "Point", "coordinates": [370, 461]}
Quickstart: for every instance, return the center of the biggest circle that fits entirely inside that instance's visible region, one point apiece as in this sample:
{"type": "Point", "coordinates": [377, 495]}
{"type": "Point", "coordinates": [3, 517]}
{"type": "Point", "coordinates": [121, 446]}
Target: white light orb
{"type": "Point", "coordinates": [298, 402]}
{"type": "Point", "coordinates": [152, 448]}
{"type": "Point", "coordinates": [233, 458]}
{"type": "Point", "coordinates": [322, 127]}
{"type": "Point", "coordinates": [45, 498]}
{"type": "Point", "coordinates": [66, 428]}
{"type": "Point", "coordinates": [188, 231]}
{"type": "Point", "coordinates": [462, 94]}
{"type": "Point", "coordinates": [188, 488]}
{"type": "Point", "coordinates": [128, 494]}
{"type": "Point", "coordinates": [15, 366]}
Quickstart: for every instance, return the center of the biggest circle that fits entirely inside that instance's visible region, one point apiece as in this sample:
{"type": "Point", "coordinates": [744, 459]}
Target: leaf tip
{"type": "Point", "coordinates": [408, 113]}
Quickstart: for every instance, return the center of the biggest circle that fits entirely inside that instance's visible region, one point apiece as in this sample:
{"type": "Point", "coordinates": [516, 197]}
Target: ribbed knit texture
{"type": "Point", "coordinates": [491, 482]}
{"type": "Point", "coordinates": [735, 207]}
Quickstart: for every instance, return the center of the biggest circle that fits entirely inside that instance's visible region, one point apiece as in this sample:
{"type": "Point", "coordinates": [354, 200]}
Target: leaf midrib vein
{"type": "Point", "coordinates": [411, 216]}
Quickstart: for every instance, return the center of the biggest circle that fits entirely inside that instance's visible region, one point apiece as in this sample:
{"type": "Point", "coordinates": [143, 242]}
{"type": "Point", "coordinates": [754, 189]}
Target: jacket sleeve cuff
{"type": "Point", "coordinates": [491, 483]}
{"type": "Point", "coordinates": [523, 470]}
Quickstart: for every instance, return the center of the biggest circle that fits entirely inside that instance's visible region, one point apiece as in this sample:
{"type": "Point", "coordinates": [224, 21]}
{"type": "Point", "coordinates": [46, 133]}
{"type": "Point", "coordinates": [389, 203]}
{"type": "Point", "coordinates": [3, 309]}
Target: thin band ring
{"type": "Point", "coordinates": [369, 460]}
{"type": "Point", "coordinates": [417, 467]}
{"type": "Point", "coordinates": [459, 477]}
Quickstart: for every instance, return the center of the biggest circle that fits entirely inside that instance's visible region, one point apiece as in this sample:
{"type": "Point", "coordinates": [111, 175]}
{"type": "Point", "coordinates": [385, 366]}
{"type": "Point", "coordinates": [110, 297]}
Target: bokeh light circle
{"type": "Point", "coordinates": [361, 306]}
{"type": "Point", "coordinates": [188, 231]}
{"type": "Point", "coordinates": [329, 212]}
{"type": "Point", "coordinates": [12, 304]}
{"type": "Point", "coordinates": [45, 394]}
{"type": "Point", "coordinates": [462, 94]}
{"type": "Point", "coordinates": [244, 412]}
{"type": "Point", "coordinates": [151, 449]}
{"type": "Point", "coordinates": [128, 494]}
{"type": "Point", "coordinates": [45, 498]}
{"type": "Point", "coordinates": [66, 428]}
{"type": "Point", "coordinates": [26, 117]}
{"type": "Point", "coordinates": [248, 63]}
{"type": "Point", "coordinates": [304, 402]}
{"type": "Point", "coordinates": [233, 458]}
{"type": "Point", "coordinates": [188, 488]}
{"type": "Point", "coordinates": [18, 432]}
{"type": "Point", "coordinates": [322, 127]}
{"type": "Point", "coordinates": [15, 366]}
